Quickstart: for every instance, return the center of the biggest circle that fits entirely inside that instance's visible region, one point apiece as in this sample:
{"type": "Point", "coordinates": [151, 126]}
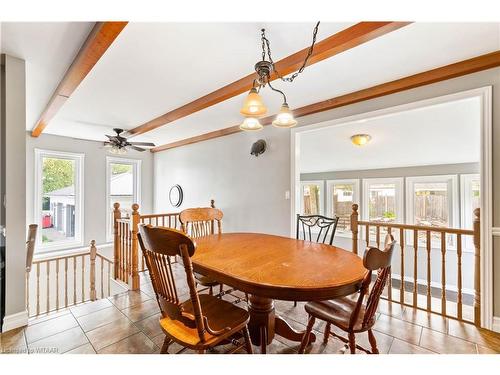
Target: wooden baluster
{"type": "Point", "coordinates": [377, 238]}
{"type": "Point", "coordinates": [415, 268]}
{"type": "Point", "coordinates": [428, 244]}
{"type": "Point", "coordinates": [459, 276]}
{"type": "Point", "coordinates": [354, 228]}
{"type": "Point", "coordinates": [48, 285]}
{"type": "Point", "coordinates": [93, 255]}
{"type": "Point", "coordinates": [135, 247]}
{"type": "Point", "coordinates": [27, 281]}
{"type": "Point", "coordinates": [38, 289]}
{"type": "Point", "coordinates": [367, 234]}
{"type": "Point", "coordinates": [74, 280]}
{"type": "Point", "coordinates": [477, 267]}
{"type": "Point", "coordinates": [83, 278]}
{"type": "Point", "coordinates": [402, 286]}
{"type": "Point", "coordinates": [389, 284]}
{"type": "Point", "coordinates": [443, 273]}
{"type": "Point", "coordinates": [65, 282]}
{"type": "Point", "coordinates": [116, 216]}
{"type": "Point", "coordinates": [102, 278]}
{"type": "Point", "coordinates": [57, 284]}
{"type": "Point", "coordinates": [109, 279]}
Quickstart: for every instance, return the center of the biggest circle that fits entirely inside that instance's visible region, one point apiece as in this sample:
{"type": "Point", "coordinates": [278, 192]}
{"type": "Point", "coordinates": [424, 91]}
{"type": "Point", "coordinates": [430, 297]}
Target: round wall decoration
{"type": "Point", "coordinates": [175, 195]}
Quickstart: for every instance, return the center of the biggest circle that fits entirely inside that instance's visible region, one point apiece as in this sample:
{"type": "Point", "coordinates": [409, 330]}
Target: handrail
{"type": "Point", "coordinates": [68, 274]}
{"type": "Point", "coordinates": [428, 246]}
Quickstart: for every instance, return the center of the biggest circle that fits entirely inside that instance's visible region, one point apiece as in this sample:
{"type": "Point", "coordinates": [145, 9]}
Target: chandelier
{"type": "Point", "coordinates": [253, 106]}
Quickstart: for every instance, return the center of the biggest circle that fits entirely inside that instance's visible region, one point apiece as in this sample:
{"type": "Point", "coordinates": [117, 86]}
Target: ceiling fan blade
{"type": "Point", "coordinates": [142, 144]}
{"type": "Point", "coordinates": [137, 148]}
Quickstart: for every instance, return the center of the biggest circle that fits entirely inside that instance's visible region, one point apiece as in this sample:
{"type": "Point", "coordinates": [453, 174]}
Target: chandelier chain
{"type": "Point", "coordinates": [266, 45]}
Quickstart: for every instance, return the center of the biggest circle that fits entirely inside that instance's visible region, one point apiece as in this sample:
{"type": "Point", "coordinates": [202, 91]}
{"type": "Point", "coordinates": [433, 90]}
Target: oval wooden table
{"type": "Point", "coordinates": [271, 267]}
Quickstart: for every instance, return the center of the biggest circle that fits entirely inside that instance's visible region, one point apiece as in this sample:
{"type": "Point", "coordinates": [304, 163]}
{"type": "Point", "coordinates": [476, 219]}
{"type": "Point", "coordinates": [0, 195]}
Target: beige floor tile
{"type": "Point", "coordinates": [390, 308]}
{"type": "Point", "coordinates": [403, 347]}
{"type": "Point", "coordinates": [470, 332]}
{"type": "Point", "coordinates": [44, 317]}
{"type": "Point", "coordinates": [150, 326]}
{"type": "Point", "coordinates": [90, 307]}
{"type": "Point", "coordinates": [398, 328]}
{"type": "Point", "coordinates": [13, 341]}
{"type": "Point", "coordinates": [111, 333]}
{"type": "Point", "coordinates": [128, 299]}
{"type": "Point", "coordinates": [441, 343]}
{"type": "Point", "coordinates": [84, 349]}
{"type": "Point", "coordinates": [384, 341]}
{"type": "Point", "coordinates": [135, 344]}
{"type": "Point", "coordinates": [172, 349]}
{"type": "Point", "coordinates": [425, 319]}
{"type": "Point", "coordinates": [50, 327]}
{"type": "Point", "coordinates": [60, 342]}
{"type": "Point", "coordinates": [99, 318]}
{"type": "Point", "coordinates": [142, 310]}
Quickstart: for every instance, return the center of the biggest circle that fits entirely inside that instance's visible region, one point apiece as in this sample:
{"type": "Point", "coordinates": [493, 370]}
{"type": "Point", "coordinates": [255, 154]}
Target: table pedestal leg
{"type": "Point", "coordinates": [264, 324]}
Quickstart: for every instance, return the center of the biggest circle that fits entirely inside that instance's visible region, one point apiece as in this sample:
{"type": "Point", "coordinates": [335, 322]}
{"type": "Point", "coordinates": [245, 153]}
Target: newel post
{"type": "Point", "coordinates": [117, 215]}
{"type": "Point", "coordinates": [135, 247]}
{"type": "Point", "coordinates": [93, 255]}
{"type": "Point", "coordinates": [477, 267]}
{"type": "Point", "coordinates": [354, 228]}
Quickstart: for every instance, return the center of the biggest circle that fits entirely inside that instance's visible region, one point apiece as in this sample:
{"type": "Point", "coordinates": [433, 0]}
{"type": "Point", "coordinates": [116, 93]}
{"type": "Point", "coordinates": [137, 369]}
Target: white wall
{"type": "Point", "coordinates": [249, 190]}
{"type": "Point", "coordinates": [94, 179]}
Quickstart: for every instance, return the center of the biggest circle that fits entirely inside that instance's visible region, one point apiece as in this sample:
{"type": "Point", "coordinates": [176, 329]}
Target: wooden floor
{"type": "Point", "coordinates": [128, 323]}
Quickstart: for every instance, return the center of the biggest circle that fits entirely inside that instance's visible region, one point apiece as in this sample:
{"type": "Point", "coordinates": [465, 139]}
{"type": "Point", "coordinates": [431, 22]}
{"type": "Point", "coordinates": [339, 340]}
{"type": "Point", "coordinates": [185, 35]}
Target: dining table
{"type": "Point", "coordinates": [269, 267]}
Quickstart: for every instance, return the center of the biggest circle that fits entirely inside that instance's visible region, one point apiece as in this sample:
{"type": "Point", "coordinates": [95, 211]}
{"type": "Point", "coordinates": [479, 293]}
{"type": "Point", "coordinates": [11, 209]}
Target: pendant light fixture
{"type": "Point", "coordinates": [253, 106]}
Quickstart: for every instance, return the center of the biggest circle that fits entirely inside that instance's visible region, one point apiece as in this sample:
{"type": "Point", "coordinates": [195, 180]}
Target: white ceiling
{"type": "Point", "coordinates": [153, 68]}
{"type": "Point", "coordinates": [439, 134]}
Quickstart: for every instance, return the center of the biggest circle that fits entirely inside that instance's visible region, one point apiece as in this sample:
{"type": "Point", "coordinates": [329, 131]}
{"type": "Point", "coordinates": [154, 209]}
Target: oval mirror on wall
{"type": "Point", "coordinates": [175, 195]}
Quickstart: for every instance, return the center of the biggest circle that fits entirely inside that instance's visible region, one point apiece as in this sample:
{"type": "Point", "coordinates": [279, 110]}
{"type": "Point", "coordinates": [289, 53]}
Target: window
{"type": "Point", "coordinates": [470, 186]}
{"type": "Point", "coordinates": [123, 178]}
{"type": "Point", "coordinates": [341, 194]}
{"type": "Point", "coordinates": [432, 201]}
{"type": "Point", "coordinates": [382, 202]}
{"type": "Point", "coordinates": [58, 205]}
{"type": "Point", "coordinates": [311, 198]}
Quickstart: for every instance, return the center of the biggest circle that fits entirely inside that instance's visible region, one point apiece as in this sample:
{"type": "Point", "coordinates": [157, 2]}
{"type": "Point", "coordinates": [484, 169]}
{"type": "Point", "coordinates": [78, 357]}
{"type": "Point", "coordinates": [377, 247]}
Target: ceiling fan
{"type": "Point", "coordinates": [119, 144]}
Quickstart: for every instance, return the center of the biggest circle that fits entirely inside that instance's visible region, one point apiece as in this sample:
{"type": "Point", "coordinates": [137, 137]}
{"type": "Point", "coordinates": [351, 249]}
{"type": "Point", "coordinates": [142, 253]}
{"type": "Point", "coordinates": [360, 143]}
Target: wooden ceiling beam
{"type": "Point", "coordinates": [342, 41]}
{"type": "Point", "coordinates": [98, 41]}
{"type": "Point", "coordinates": [476, 64]}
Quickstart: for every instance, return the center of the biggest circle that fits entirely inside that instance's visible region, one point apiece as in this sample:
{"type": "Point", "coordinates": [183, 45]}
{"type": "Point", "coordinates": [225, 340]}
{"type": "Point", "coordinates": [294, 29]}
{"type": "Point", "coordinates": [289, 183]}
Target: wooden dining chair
{"type": "Point", "coordinates": [200, 222]}
{"type": "Point", "coordinates": [353, 315]}
{"type": "Point", "coordinates": [316, 228]}
{"type": "Point", "coordinates": [202, 321]}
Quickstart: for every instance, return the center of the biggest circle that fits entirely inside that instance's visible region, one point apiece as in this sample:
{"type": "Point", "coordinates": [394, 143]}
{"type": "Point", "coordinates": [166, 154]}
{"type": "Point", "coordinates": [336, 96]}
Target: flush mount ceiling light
{"type": "Point", "coordinates": [360, 139]}
{"type": "Point", "coordinates": [253, 106]}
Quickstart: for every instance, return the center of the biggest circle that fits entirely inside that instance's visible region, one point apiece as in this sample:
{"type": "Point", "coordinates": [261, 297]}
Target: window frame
{"type": "Point", "coordinates": [79, 159]}
{"type": "Point", "coordinates": [136, 167]}
{"type": "Point", "coordinates": [399, 197]}
{"type": "Point", "coordinates": [321, 184]}
{"type": "Point", "coordinates": [355, 198]}
{"type": "Point", "coordinates": [466, 221]}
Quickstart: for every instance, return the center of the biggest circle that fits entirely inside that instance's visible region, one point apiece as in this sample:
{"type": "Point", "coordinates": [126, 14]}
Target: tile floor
{"type": "Point", "coordinates": [128, 323]}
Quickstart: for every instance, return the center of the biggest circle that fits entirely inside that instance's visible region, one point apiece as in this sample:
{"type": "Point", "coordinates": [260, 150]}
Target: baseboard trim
{"type": "Point", "coordinates": [13, 321]}
{"type": "Point", "coordinates": [496, 324]}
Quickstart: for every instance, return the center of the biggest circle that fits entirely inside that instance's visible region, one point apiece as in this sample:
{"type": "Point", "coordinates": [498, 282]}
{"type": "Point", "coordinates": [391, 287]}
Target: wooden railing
{"type": "Point", "coordinates": [128, 260]}
{"type": "Point", "coordinates": [419, 245]}
{"type": "Point", "coordinates": [63, 281]}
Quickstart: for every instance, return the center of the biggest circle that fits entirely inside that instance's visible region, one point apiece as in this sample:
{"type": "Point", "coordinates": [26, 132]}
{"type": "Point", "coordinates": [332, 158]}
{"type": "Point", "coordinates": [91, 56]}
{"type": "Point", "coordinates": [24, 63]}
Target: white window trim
{"type": "Point", "coordinates": [355, 198]}
{"type": "Point", "coordinates": [79, 159]}
{"type": "Point", "coordinates": [453, 209]}
{"type": "Point", "coordinates": [397, 181]}
{"type": "Point", "coordinates": [321, 184]}
{"type": "Point", "coordinates": [466, 220]}
{"type": "Point", "coordinates": [137, 167]}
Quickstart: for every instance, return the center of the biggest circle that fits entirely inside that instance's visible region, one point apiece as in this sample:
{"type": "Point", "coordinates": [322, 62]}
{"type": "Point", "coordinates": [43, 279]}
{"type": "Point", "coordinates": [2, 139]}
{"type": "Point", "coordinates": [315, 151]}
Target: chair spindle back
{"type": "Point", "coordinates": [200, 222]}
{"type": "Point", "coordinates": [325, 224]}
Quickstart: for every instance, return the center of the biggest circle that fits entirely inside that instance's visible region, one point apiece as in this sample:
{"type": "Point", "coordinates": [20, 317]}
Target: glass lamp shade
{"type": "Point", "coordinates": [251, 124]}
{"type": "Point", "coordinates": [253, 105]}
{"type": "Point", "coordinates": [118, 150]}
{"type": "Point", "coordinates": [360, 139]}
{"type": "Point", "coordinates": [284, 119]}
